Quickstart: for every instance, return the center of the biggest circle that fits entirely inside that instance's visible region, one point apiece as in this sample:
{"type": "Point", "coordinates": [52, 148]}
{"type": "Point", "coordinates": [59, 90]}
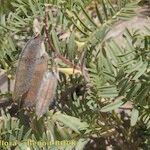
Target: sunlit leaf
{"type": "Point", "coordinates": [71, 122]}
{"type": "Point", "coordinates": [112, 106]}
{"type": "Point", "coordinates": [134, 116]}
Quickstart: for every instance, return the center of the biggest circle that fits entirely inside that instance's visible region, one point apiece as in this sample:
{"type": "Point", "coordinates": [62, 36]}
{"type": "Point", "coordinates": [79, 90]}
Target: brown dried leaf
{"type": "Point", "coordinates": [26, 66]}
{"type": "Point", "coordinates": [41, 67]}
{"type": "Point", "coordinates": [46, 93]}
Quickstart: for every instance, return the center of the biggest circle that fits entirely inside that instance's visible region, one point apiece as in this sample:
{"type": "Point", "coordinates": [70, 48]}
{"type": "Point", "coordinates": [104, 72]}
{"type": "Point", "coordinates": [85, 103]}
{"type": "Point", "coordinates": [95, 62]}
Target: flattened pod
{"type": "Point", "coordinates": [28, 99]}
{"type": "Point", "coordinates": [46, 93]}
{"type": "Point", "coordinates": [26, 66]}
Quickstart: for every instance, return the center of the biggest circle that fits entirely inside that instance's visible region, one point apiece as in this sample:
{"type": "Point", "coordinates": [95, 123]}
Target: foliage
{"type": "Point", "coordinates": [118, 74]}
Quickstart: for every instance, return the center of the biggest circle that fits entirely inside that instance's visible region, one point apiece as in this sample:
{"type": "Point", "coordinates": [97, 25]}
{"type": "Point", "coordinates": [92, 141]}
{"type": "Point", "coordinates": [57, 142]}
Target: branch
{"type": "Point", "coordinates": [58, 55]}
{"type": "Point", "coordinates": [80, 67]}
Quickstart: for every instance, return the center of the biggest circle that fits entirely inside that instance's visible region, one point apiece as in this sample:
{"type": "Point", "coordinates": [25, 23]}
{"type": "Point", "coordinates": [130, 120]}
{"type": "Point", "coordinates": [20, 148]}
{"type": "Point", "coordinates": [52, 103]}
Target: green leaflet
{"type": "Point", "coordinates": [134, 116]}
{"type": "Point", "coordinates": [141, 71]}
{"type": "Point", "coordinates": [56, 41]}
{"type": "Point", "coordinates": [108, 91]}
{"type": "Point", "coordinates": [73, 123]}
{"type": "Point", "coordinates": [71, 46]}
{"type": "Point", "coordinates": [32, 6]}
{"type": "Point", "coordinates": [112, 106]}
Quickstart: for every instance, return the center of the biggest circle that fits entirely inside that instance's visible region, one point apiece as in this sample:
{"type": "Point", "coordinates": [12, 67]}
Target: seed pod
{"type": "Point", "coordinates": [26, 66]}
{"type": "Point", "coordinates": [46, 93]}
{"type": "Point", "coordinates": [28, 99]}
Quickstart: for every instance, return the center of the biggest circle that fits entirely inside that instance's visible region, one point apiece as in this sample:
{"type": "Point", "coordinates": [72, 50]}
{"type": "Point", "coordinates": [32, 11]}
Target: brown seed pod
{"type": "Point", "coordinates": [26, 67]}
{"type": "Point", "coordinates": [28, 99]}
{"type": "Point", "coordinates": [46, 93]}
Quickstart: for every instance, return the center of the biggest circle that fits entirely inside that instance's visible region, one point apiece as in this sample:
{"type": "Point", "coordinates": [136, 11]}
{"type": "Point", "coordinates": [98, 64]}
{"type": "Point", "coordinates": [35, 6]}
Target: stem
{"type": "Point", "coordinates": [58, 55]}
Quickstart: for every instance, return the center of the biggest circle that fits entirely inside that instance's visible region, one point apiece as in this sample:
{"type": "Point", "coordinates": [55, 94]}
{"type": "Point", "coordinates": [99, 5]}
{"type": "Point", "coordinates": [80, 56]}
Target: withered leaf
{"type": "Point", "coordinates": [26, 66]}
{"type": "Point", "coordinates": [41, 67]}
{"type": "Point", "coordinates": [46, 93]}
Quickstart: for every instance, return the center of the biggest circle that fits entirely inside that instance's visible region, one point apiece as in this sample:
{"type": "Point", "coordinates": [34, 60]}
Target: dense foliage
{"type": "Point", "coordinates": [88, 109]}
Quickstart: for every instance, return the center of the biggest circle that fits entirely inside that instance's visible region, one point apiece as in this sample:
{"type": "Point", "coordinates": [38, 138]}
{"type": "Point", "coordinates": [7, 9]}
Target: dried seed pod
{"type": "Point", "coordinates": [26, 67]}
{"type": "Point", "coordinates": [46, 93]}
{"type": "Point", "coordinates": [28, 99]}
